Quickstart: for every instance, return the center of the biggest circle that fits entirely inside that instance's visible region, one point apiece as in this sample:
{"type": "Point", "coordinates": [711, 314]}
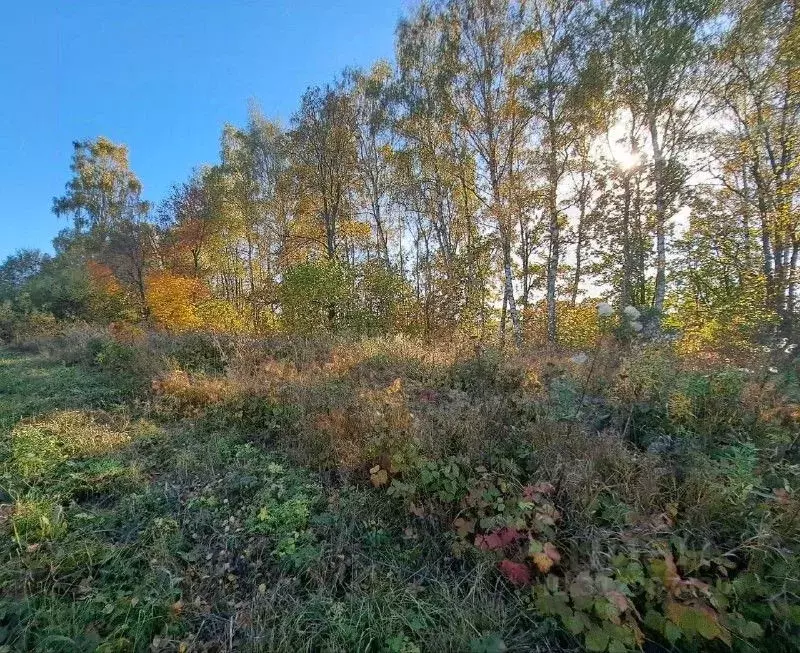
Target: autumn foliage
{"type": "Point", "coordinates": [173, 300]}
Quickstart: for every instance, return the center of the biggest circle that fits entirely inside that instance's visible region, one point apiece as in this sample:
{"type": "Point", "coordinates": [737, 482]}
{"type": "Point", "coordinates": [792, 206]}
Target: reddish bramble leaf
{"type": "Point", "coordinates": [516, 572]}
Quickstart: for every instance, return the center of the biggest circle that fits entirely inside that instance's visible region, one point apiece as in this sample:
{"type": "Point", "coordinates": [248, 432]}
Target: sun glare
{"type": "Point", "coordinates": [625, 158]}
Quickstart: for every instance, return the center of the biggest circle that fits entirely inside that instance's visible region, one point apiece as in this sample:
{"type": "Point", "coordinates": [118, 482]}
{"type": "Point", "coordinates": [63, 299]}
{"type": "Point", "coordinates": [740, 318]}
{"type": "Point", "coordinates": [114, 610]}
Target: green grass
{"type": "Point", "coordinates": [120, 533]}
{"type": "Point", "coordinates": [143, 508]}
{"type": "Point", "coordinates": [32, 385]}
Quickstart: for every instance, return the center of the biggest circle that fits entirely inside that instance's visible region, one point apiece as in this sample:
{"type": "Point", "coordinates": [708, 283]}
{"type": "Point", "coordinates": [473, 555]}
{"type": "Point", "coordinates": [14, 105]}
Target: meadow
{"type": "Point", "coordinates": [206, 493]}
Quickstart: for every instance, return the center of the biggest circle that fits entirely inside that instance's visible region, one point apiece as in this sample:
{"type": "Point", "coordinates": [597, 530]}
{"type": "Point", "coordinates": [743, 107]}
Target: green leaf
{"type": "Point", "coordinates": [535, 547]}
{"type": "Point", "coordinates": [654, 620]}
{"type": "Point", "coordinates": [606, 610]}
{"type": "Point", "coordinates": [672, 632]}
{"type": "Point", "coordinates": [574, 623]}
{"type": "Point", "coordinates": [596, 640]}
{"type": "Point", "coordinates": [751, 630]}
{"type": "Point", "coordinates": [616, 646]}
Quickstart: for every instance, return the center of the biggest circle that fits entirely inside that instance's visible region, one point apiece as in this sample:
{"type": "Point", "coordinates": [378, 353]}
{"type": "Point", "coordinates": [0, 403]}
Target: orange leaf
{"type": "Point", "coordinates": [542, 561]}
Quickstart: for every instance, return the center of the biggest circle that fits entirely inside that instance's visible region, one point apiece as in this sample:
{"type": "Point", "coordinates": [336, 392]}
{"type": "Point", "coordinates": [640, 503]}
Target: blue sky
{"type": "Point", "coordinates": [161, 76]}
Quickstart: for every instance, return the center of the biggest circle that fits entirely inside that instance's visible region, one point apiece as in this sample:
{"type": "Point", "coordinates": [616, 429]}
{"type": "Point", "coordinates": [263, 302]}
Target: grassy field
{"type": "Point", "coordinates": [355, 499]}
{"type": "Point", "coordinates": [126, 534]}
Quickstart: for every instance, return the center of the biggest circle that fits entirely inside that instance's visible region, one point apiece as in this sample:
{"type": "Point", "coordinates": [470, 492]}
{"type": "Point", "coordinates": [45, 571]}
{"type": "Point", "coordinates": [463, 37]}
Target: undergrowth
{"type": "Point", "coordinates": [196, 493]}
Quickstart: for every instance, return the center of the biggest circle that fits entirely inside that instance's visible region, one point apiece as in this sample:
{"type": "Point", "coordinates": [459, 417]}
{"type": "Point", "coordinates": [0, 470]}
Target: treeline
{"type": "Point", "coordinates": [518, 158]}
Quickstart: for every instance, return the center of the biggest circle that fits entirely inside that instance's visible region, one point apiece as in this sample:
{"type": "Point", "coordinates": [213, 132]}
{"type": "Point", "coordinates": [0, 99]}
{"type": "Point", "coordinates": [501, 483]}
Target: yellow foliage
{"type": "Point", "coordinates": [577, 326]}
{"type": "Point", "coordinates": [680, 406]}
{"type": "Point", "coordinates": [220, 315]}
{"type": "Point", "coordinates": [360, 232]}
{"type": "Point", "coordinates": [173, 300]}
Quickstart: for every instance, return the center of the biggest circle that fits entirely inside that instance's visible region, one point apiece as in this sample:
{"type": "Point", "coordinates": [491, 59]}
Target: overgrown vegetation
{"type": "Point", "coordinates": [492, 349]}
{"type": "Point", "coordinates": [195, 493]}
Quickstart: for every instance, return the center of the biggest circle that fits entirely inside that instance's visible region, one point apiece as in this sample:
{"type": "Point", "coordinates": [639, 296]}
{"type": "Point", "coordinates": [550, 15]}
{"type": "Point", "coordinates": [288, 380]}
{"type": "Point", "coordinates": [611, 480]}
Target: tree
{"type": "Point", "coordinates": [18, 269]}
{"type": "Point", "coordinates": [493, 42]}
{"type": "Point", "coordinates": [103, 190]}
{"type": "Point", "coordinates": [188, 220]}
{"type": "Point", "coordinates": [435, 179]}
{"type": "Point", "coordinates": [761, 100]}
{"type": "Point", "coordinates": [374, 109]}
{"type": "Point", "coordinates": [253, 173]}
{"type": "Point", "coordinates": [661, 53]}
{"type": "Point", "coordinates": [560, 107]}
{"type": "Point", "coordinates": [109, 217]}
{"type": "Point", "coordinates": [324, 142]}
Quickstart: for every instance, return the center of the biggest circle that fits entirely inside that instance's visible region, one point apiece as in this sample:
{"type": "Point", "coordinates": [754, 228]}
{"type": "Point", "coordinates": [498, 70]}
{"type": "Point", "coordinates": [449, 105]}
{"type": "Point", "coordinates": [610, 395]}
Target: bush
{"type": "Point", "coordinates": [129, 367]}
{"type": "Point", "coordinates": [27, 330]}
{"type": "Point", "coordinates": [194, 351]}
{"type": "Point", "coordinates": [181, 394]}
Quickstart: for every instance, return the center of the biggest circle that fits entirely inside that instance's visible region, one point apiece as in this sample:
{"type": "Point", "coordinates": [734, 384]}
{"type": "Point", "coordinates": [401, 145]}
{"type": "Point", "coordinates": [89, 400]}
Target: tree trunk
{"type": "Point", "coordinates": [516, 325]}
{"type": "Point", "coordinates": [661, 219]}
{"type": "Point", "coordinates": [552, 273]}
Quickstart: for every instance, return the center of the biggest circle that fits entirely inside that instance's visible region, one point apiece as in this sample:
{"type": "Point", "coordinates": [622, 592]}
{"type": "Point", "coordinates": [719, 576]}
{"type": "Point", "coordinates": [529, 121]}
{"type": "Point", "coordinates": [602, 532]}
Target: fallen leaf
{"type": "Point", "coordinates": [508, 535]}
{"type": "Point", "coordinates": [551, 552]}
{"type": "Point", "coordinates": [497, 539]}
{"type": "Point", "coordinates": [531, 491]}
{"type": "Point", "coordinates": [490, 542]}
{"type": "Point", "coordinates": [379, 478]}
{"type": "Point", "coordinates": [464, 526]}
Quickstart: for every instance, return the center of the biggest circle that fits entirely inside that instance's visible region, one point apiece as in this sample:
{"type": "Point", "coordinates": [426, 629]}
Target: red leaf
{"type": "Point", "coordinates": [530, 492]}
{"type": "Point", "coordinates": [490, 542]}
{"type": "Point", "coordinates": [508, 535]}
{"type": "Point", "coordinates": [516, 572]}
{"type": "Point", "coordinates": [497, 539]}
{"type": "Point", "coordinates": [551, 552]}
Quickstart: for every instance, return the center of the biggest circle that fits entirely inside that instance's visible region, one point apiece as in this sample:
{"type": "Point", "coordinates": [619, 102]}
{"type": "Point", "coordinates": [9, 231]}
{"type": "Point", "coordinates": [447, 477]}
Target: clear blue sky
{"type": "Point", "coordinates": [161, 76]}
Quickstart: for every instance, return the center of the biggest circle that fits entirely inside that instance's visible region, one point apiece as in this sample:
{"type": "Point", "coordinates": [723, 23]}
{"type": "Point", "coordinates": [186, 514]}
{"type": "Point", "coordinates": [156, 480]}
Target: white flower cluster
{"type": "Point", "coordinates": [604, 309]}
{"type": "Point", "coordinates": [633, 316]}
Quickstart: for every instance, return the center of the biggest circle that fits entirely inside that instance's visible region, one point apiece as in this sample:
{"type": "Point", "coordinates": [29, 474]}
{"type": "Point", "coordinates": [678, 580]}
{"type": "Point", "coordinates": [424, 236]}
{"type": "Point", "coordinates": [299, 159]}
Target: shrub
{"type": "Point", "coordinates": [129, 367]}
{"type": "Point", "coordinates": [372, 424]}
{"type": "Point", "coordinates": [194, 351]}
